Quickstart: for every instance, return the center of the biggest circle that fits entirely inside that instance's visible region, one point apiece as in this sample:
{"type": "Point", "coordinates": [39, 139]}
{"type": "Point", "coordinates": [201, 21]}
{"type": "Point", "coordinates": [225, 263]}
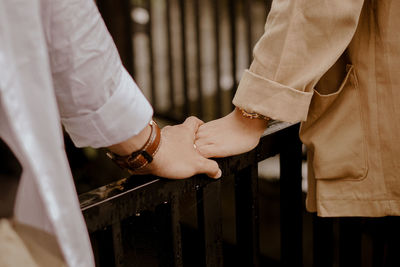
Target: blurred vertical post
{"type": "Point", "coordinates": [116, 15]}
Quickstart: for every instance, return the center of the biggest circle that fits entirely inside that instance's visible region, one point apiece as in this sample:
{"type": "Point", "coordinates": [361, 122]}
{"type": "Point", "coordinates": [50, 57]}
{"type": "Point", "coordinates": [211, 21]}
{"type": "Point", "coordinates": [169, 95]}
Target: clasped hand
{"type": "Point", "coordinates": [230, 135]}
{"type": "Point", "coordinates": [186, 148]}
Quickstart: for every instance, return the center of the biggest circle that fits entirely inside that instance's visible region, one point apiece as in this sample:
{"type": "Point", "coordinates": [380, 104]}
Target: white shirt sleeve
{"type": "Point", "coordinates": [99, 103]}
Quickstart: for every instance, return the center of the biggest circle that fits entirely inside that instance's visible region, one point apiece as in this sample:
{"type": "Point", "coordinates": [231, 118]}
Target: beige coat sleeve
{"type": "Point", "coordinates": [302, 40]}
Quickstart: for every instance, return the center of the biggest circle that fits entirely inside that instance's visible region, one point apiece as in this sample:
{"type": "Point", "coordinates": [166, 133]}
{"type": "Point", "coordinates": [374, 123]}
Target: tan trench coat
{"type": "Point", "coordinates": [335, 65]}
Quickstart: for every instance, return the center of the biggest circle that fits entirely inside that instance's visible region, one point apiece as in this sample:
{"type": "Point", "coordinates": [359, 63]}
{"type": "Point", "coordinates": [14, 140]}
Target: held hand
{"type": "Point", "coordinates": [177, 157]}
{"type": "Point", "coordinates": [230, 135]}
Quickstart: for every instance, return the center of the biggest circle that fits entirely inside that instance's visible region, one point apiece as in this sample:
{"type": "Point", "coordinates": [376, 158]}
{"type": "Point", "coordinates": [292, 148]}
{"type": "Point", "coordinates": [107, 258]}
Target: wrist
{"type": "Point", "coordinates": [132, 144]}
{"type": "Point", "coordinates": [254, 124]}
{"type": "Point", "coordinates": [139, 158]}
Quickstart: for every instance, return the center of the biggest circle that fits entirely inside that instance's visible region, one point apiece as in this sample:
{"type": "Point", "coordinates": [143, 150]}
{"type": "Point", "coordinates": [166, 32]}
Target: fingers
{"type": "Point", "coordinates": [207, 144]}
{"type": "Point", "coordinates": [210, 151]}
{"type": "Point", "coordinates": [193, 123]}
{"type": "Point", "coordinates": [203, 135]}
{"type": "Point", "coordinates": [200, 133]}
{"type": "Point", "coordinates": [205, 151]}
{"type": "Point", "coordinates": [201, 142]}
{"type": "Point", "coordinates": [210, 168]}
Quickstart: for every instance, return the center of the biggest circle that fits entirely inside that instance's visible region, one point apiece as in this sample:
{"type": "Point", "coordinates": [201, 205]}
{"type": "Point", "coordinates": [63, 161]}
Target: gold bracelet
{"type": "Point", "coordinates": [253, 115]}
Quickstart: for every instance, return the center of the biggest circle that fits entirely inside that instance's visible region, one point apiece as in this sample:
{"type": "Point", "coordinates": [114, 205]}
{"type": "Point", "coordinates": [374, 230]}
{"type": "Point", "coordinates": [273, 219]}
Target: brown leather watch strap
{"type": "Point", "coordinates": [142, 157]}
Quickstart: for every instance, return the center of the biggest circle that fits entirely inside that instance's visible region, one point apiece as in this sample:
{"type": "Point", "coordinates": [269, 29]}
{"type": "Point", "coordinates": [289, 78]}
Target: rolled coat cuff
{"type": "Point", "coordinates": [122, 116]}
{"type": "Point", "coordinates": [269, 98]}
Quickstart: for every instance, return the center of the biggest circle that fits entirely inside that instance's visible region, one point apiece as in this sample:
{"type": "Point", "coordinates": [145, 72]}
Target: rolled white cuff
{"type": "Point", "coordinates": [122, 116]}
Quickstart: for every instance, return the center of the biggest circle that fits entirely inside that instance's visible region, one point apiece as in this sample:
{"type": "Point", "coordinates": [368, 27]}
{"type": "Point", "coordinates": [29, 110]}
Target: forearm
{"type": "Point", "coordinates": [255, 126]}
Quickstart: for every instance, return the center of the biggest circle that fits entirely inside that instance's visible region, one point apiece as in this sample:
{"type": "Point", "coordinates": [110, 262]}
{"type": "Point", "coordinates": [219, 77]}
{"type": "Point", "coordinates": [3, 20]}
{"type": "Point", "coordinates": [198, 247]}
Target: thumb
{"type": "Point", "coordinates": [210, 168]}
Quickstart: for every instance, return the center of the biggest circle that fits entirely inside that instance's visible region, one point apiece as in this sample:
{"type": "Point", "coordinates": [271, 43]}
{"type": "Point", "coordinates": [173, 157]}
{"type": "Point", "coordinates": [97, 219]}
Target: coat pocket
{"type": "Point", "coordinates": [334, 132]}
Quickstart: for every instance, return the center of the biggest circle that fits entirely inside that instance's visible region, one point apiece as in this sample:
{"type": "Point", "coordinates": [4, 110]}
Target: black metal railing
{"type": "Point", "coordinates": [187, 56]}
{"type": "Point", "coordinates": [113, 212]}
{"type": "Point", "coordinates": [148, 221]}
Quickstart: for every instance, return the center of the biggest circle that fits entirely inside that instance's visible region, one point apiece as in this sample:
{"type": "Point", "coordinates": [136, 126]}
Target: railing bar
{"type": "Point", "coordinates": [199, 54]}
{"type": "Point", "coordinates": [163, 221]}
{"type": "Point", "coordinates": [182, 9]}
{"type": "Point", "coordinates": [323, 241]}
{"type": "Point", "coordinates": [128, 47]}
{"type": "Point", "coordinates": [151, 55]}
{"type": "Point", "coordinates": [170, 65]}
{"type": "Point", "coordinates": [176, 232]}
{"type": "Point", "coordinates": [247, 219]}
{"type": "Point", "coordinates": [95, 248]}
{"type": "Point", "coordinates": [379, 236]}
{"type": "Point", "coordinates": [291, 208]}
{"type": "Point", "coordinates": [201, 223]}
{"type": "Point", "coordinates": [247, 13]}
{"type": "Point", "coordinates": [367, 252]}
{"type": "Point", "coordinates": [129, 35]}
{"type": "Point", "coordinates": [129, 42]}
{"type": "Point", "coordinates": [117, 18]}
{"type": "Point", "coordinates": [213, 224]}
{"type": "Point", "coordinates": [119, 195]}
{"type": "Point", "coordinates": [103, 247]}
{"type": "Point", "coordinates": [275, 126]}
{"type": "Point", "coordinates": [350, 242]}
{"type": "Point", "coordinates": [217, 59]}
{"type": "Point", "coordinates": [117, 245]}
{"type": "Point", "coordinates": [393, 244]}
{"type": "Point", "coordinates": [232, 19]}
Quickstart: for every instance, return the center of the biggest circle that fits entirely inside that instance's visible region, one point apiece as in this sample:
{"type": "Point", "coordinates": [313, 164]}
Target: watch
{"type": "Point", "coordinates": [142, 157]}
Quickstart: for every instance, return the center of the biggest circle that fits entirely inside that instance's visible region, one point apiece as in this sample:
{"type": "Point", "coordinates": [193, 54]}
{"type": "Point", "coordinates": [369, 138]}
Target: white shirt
{"type": "Point", "coordinates": [58, 64]}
